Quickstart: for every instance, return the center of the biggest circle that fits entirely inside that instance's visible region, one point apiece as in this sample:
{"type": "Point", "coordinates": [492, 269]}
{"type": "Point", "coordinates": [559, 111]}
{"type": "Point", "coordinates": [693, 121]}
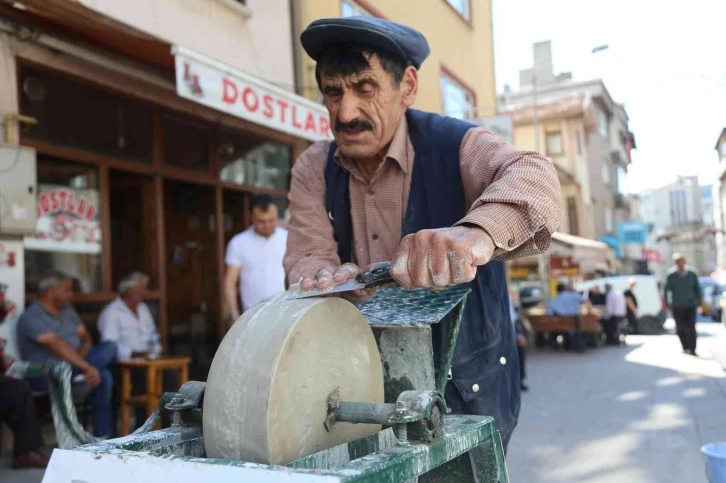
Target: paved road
{"type": "Point", "coordinates": [635, 414]}
{"type": "Point", "coordinates": [638, 413]}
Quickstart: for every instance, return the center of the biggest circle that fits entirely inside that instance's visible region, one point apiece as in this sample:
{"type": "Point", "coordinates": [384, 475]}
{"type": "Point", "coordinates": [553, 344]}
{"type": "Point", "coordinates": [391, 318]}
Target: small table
{"type": "Point", "coordinates": [154, 390]}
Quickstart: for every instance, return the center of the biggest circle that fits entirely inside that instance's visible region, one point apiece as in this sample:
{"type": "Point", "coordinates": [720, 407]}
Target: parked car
{"type": "Point", "coordinates": [711, 290]}
{"type": "Point", "coordinates": [651, 310]}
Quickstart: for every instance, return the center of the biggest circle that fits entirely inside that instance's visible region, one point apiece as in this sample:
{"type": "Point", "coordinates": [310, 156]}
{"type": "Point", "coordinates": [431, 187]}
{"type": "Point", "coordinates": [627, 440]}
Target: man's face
{"type": "Point", "coordinates": [365, 108]}
{"type": "Point", "coordinates": [265, 222]}
{"type": "Point", "coordinates": [135, 295]}
{"type": "Point", "coordinates": [681, 263]}
{"type": "Point", "coordinates": [62, 294]}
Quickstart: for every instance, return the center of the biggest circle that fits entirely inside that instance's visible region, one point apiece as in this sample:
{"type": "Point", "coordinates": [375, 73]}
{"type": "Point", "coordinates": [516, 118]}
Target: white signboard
{"type": "Point", "coordinates": [67, 221]}
{"type": "Point", "coordinates": [500, 125]}
{"type": "Point", "coordinates": [221, 87]}
{"type": "Point", "coordinates": [12, 294]}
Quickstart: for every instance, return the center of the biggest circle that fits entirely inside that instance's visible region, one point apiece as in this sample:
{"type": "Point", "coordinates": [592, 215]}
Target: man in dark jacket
{"type": "Point", "coordinates": [444, 200]}
{"type": "Point", "coordinates": [683, 296]}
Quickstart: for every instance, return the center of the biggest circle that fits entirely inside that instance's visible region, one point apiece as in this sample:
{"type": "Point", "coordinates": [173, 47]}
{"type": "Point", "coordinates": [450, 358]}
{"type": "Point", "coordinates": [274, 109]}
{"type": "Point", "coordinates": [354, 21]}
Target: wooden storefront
{"type": "Point", "coordinates": [165, 182]}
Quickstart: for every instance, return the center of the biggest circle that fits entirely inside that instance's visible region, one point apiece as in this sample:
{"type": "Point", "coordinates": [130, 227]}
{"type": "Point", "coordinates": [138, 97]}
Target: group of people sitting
{"type": "Point", "coordinates": [615, 307]}
{"type": "Point", "coordinates": [50, 329]}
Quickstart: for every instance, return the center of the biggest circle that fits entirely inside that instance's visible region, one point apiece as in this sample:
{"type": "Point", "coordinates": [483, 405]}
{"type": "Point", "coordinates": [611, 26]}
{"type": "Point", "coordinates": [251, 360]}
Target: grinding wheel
{"type": "Point", "coordinates": [267, 390]}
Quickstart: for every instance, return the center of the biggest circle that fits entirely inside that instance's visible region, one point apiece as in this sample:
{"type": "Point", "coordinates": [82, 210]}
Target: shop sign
{"type": "Point", "coordinates": [67, 221]}
{"type": "Point", "coordinates": [632, 232]}
{"type": "Point", "coordinates": [12, 295]}
{"type": "Point", "coordinates": [221, 87]}
{"type": "Point", "coordinates": [519, 273]}
{"type": "Point", "coordinates": [563, 267]}
{"type": "Point", "coordinates": [651, 255]}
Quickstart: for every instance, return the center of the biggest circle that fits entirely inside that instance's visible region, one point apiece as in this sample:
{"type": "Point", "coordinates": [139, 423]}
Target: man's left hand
{"type": "Point", "coordinates": [435, 259]}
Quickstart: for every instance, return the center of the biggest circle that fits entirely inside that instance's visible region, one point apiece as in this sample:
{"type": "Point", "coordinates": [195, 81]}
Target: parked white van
{"type": "Point", "coordinates": [651, 312]}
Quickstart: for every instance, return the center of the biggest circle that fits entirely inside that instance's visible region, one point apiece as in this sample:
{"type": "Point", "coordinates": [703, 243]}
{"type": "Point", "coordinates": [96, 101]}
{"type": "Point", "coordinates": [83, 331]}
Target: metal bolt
{"type": "Point", "coordinates": [402, 434]}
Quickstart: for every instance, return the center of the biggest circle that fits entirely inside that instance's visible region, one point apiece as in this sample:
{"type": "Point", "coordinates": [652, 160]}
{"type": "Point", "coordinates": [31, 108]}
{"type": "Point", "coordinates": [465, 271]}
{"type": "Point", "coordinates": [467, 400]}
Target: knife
{"type": "Point", "coordinates": [379, 274]}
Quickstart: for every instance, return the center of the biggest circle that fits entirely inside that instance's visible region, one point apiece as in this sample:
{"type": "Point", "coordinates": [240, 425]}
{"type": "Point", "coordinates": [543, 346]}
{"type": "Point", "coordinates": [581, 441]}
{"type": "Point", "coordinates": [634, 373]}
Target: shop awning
{"type": "Point", "coordinates": [592, 255]}
{"type": "Point", "coordinates": [214, 84]}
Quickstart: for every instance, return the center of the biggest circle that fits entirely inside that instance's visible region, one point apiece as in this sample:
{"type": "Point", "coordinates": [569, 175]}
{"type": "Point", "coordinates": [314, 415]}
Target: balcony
{"type": "Point", "coordinates": [620, 201]}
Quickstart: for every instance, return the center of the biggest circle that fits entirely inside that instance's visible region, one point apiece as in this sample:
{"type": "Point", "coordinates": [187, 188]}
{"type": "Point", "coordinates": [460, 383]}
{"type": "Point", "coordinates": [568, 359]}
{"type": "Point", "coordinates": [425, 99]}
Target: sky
{"type": "Point", "coordinates": [666, 62]}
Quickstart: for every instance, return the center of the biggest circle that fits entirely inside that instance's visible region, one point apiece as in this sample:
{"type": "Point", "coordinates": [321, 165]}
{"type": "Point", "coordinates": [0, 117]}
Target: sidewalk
{"type": "Point", "coordinates": [631, 414]}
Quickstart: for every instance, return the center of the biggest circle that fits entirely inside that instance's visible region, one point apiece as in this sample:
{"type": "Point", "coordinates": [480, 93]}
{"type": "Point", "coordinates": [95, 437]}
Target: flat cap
{"type": "Point", "coordinates": [407, 43]}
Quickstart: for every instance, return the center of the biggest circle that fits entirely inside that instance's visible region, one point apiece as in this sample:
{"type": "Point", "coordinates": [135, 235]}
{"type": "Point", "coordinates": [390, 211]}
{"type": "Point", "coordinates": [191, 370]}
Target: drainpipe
{"type": "Point", "coordinates": [295, 40]}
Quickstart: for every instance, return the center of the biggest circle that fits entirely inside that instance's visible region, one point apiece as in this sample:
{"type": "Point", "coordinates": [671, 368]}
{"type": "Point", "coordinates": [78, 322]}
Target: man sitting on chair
{"type": "Point", "coordinates": [50, 329]}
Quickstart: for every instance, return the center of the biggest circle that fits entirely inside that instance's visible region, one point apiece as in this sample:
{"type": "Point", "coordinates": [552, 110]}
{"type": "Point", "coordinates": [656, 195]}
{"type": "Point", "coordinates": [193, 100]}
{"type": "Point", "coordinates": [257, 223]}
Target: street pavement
{"type": "Point", "coordinates": [635, 414]}
{"type": "Point", "coordinates": [638, 413]}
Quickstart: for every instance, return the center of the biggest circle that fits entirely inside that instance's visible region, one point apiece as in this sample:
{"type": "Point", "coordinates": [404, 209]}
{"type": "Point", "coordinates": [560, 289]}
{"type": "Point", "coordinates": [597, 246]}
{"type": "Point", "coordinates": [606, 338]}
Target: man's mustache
{"type": "Point", "coordinates": [355, 126]}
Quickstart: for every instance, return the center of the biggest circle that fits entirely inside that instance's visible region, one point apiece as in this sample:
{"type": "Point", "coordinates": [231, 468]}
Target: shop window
{"type": "Point", "coordinates": [75, 115]}
{"type": "Point", "coordinates": [68, 232]}
{"type": "Point", "coordinates": [252, 161]}
{"type": "Point", "coordinates": [553, 144]}
{"type": "Point", "coordinates": [186, 143]}
{"type": "Point", "coordinates": [458, 101]}
{"type": "Point", "coordinates": [572, 218]}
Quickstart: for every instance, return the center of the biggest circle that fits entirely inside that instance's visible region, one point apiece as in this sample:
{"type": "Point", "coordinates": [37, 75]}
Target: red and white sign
{"type": "Point", "coordinates": [67, 221]}
{"type": "Point", "coordinates": [650, 255]}
{"type": "Point", "coordinates": [219, 86]}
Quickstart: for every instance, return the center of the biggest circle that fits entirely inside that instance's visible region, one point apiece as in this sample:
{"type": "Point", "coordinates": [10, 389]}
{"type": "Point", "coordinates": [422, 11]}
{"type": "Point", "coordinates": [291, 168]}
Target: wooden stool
{"type": "Point", "coordinates": [154, 379]}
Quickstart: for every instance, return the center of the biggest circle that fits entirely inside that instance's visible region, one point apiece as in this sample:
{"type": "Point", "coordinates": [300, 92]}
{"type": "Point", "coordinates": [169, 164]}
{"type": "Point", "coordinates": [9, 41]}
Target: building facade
{"type": "Point", "coordinates": [719, 201]}
{"type": "Point", "coordinates": [458, 77]}
{"type": "Point", "coordinates": [151, 123]}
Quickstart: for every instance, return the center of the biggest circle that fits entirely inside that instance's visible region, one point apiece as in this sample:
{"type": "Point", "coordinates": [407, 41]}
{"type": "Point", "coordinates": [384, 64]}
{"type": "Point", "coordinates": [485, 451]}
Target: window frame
{"type": "Point", "coordinates": [445, 72]}
{"type": "Point", "coordinates": [549, 134]}
{"type": "Point", "coordinates": [363, 6]}
{"type": "Point", "coordinates": [466, 17]}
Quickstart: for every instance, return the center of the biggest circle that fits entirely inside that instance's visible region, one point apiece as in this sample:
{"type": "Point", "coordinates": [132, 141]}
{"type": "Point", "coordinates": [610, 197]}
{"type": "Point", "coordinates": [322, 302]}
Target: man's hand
{"type": "Point", "coordinates": [328, 277]}
{"type": "Point", "coordinates": [521, 340]}
{"type": "Point", "coordinates": [93, 377]}
{"type": "Point", "coordinates": [435, 259]}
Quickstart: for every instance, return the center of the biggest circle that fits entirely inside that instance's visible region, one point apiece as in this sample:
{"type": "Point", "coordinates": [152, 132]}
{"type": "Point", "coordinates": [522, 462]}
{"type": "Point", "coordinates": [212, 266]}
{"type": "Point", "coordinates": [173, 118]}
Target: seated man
{"type": "Point", "coordinates": [566, 303]}
{"type": "Point", "coordinates": [127, 321]}
{"type": "Point", "coordinates": [50, 329]}
{"type": "Point", "coordinates": [17, 410]}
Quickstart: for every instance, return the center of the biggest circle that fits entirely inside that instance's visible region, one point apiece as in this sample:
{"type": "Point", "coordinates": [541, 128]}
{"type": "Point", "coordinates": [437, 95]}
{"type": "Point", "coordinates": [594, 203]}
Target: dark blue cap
{"type": "Point", "coordinates": [376, 33]}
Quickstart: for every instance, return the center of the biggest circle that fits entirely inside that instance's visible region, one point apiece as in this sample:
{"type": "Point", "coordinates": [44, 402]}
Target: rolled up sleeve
{"type": "Point", "coordinates": [513, 195]}
{"type": "Point", "coordinates": [311, 245]}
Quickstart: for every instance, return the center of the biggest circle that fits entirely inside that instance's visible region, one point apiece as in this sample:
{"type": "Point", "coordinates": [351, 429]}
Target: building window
{"type": "Point", "coordinates": [602, 124]}
{"type": "Point", "coordinates": [348, 8]}
{"type": "Point", "coordinates": [679, 214]}
{"type": "Point", "coordinates": [578, 141]}
{"type": "Point", "coordinates": [572, 218]}
{"type": "Point", "coordinates": [461, 6]}
{"type": "Point", "coordinates": [553, 143]}
{"type": "Point", "coordinates": [78, 116]}
{"type": "Point", "coordinates": [458, 101]}
{"type": "Point", "coordinates": [68, 226]}
{"type": "Point", "coordinates": [622, 180]}
{"type": "Point", "coordinates": [606, 173]}
{"type": "Point", "coordinates": [608, 220]}
{"type": "Point", "coordinates": [186, 143]}
{"type": "Point", "coordinates": [245, 159]}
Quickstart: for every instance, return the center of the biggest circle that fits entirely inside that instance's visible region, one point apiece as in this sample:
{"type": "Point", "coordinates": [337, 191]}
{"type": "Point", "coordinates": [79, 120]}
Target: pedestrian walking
{"type": "Point", "coordinates": [631, 302]}
{"type": "Point", "coordinates": [616, 310]}
{"type": "Point", "coordinates": [683, 296]}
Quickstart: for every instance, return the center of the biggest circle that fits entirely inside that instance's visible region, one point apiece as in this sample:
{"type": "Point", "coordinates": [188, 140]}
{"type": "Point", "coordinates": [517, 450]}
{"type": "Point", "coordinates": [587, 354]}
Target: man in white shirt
{"type": "Point", "coordinates": [254, 259]}
{"type": "Point", "coordinates": [615, 311]}
{"type": "Point", "coordinates": [127, 321]}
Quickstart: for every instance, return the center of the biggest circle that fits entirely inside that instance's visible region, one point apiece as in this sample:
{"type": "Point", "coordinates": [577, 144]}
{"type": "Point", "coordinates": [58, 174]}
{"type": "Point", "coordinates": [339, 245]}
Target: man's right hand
{"type": "Point", "coordinates": [327, 277]}
{"type": "Point", "coordinates": [93, 377]}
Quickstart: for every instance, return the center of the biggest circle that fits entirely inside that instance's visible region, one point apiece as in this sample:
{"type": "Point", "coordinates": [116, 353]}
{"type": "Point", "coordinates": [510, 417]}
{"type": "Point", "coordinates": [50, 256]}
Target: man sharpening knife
{"type": "Point", "coordinates": [443, 200]}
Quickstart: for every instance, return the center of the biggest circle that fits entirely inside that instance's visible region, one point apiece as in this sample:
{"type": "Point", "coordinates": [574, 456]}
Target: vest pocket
{"type": "Point", "coordinates": [478, 373]}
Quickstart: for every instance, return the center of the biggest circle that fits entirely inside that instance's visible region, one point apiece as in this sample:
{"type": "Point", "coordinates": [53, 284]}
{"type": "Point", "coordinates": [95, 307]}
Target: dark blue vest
{"type": "Point", "coordinates": [485, 368]}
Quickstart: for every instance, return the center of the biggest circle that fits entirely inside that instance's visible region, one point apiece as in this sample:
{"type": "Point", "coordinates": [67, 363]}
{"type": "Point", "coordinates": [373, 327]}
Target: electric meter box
{"type": "Point", "coordinates": [18, 187]}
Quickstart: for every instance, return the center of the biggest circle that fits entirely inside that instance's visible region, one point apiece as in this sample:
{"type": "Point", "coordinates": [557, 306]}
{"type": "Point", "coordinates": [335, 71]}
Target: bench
{"type": "Point", "coordinates": [544, 324]}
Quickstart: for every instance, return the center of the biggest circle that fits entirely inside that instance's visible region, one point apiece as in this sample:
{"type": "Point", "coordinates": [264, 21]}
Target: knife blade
{"type": "Point", "coordinates": [379, 274]}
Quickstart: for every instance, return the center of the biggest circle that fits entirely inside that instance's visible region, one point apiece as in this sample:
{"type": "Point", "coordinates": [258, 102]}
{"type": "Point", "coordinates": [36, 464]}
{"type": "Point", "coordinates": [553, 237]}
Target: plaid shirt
{"type": "Point", "coordinates": [513, 195]}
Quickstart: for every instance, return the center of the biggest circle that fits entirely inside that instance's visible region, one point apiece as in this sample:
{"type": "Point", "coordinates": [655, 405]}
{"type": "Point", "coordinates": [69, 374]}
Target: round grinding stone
{"type": "Point", "coordinates": [267, 390]}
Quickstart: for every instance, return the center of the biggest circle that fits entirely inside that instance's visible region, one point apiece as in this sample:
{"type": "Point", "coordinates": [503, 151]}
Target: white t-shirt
{"type": "Point", "coordinates": [260, 262]}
